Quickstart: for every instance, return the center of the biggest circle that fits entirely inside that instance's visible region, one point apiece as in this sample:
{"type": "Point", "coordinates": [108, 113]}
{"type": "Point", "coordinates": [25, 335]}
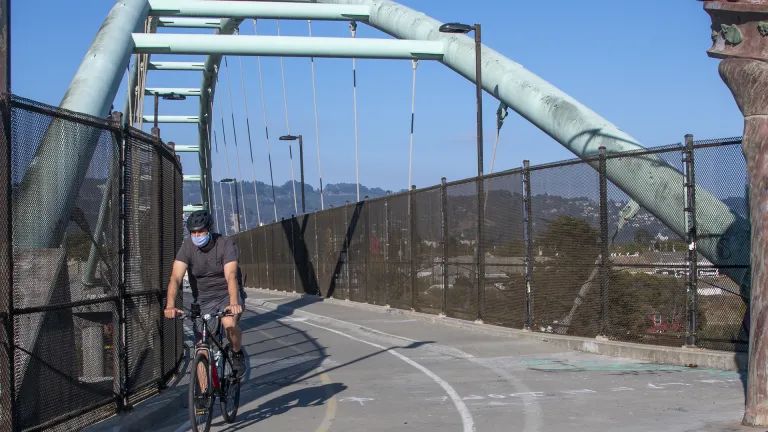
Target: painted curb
{"type": "Point", "coordinates": [688, 357]}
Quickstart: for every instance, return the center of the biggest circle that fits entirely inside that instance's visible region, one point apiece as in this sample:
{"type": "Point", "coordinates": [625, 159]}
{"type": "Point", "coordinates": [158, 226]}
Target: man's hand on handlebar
{"type": "Point", "coordinates": [234, 309]}
{"type": "Point", "coordinates": [172, 312]}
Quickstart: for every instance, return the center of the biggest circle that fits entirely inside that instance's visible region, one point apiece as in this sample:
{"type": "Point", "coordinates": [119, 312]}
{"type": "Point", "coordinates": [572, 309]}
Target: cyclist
{"type": "Point", "coordinates": [212, 263]}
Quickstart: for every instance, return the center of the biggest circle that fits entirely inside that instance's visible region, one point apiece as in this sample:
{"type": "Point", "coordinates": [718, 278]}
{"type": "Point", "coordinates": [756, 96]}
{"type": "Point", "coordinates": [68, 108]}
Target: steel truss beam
{"type": "Point", "coordinates": [171, 119]}
{"type": "Point", "coordinates": [177, 66]}
{"type": "Point", "coordinates": [189, 22]}
{"type": "Point", "coordinates": [288, 46]}
{"type": "Point", "coordinates": [259, 10]}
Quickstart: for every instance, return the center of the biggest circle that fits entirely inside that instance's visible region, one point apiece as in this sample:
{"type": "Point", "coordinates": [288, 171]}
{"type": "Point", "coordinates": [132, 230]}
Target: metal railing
{"type": "Point", "coordinates": [83, 335]}
{"type": "Point", "coordinates": [562, 250]}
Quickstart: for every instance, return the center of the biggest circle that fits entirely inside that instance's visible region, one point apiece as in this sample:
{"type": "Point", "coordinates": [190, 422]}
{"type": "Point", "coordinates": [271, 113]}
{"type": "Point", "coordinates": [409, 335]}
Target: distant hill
{"type": "Point", "coordinates": [333, 195]}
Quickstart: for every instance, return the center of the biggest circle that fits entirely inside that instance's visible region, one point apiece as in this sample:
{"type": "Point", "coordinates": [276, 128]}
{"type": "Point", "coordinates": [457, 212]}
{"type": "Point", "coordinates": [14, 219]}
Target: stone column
{"type": "Point", "coordinates": [740, 37]}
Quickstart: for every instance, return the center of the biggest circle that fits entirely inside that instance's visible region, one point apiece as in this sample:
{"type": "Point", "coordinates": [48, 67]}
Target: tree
{"type": "Point", "coordinates": [642, 236]}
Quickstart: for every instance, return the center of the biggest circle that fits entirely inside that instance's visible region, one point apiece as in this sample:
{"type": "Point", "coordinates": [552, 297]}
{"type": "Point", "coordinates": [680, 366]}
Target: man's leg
{"type": "Point", "coordinates": [233, 332]}
{"type": "Point", "coordinates": [235, 337]}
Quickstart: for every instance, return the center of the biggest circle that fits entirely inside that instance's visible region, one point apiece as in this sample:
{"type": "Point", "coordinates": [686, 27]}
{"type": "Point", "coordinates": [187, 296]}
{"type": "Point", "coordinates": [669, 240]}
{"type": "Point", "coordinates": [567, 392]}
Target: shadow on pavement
{"type": "Point", "coordinates": [302, 398]}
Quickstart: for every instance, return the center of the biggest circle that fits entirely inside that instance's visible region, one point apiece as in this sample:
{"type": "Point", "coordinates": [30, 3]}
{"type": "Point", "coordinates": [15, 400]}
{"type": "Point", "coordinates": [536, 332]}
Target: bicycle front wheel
{"type": "Point", "coordinates": [230, 395]}
{"type": "Point", "coordinates": [201, 396]}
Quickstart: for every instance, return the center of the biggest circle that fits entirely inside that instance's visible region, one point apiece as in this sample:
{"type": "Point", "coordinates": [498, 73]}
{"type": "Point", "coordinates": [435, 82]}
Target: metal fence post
{"type": "Point", "coordinates": [386, 248]}
{"type": "Point", "coordinates": [603, 237]}
{"type": "Point", "coordinates": [480, 250]}
{"type": "Point", "coordinates": [346, 249]}
{"type": "Point", "coordinates": [7, 250]}
{"type": "Point", "coordinates": [177, 335]}
{"type": "Point", "coordinates": [318, 264]}
{"type": "Point", "coordinates": [161, 243]}
{"type": "Point", "coordinates": [528, 237]}
{"type": "Point", "coordinates": [119, 342]}
{"type": "Point", "coordinates": [293, 252]}
{"type": "Point", "coordinates": [444, 241]}
{"type": "Point", "coordinates": [267, 257]}
{"type": "Point", "coordinates": [125, 248]}
{"type": "Point", "coordinates": [411, 248]}
{"type": "Point", "coordinates": [366, 248]}
{"type": "Point", "coordinates": [690, 225]}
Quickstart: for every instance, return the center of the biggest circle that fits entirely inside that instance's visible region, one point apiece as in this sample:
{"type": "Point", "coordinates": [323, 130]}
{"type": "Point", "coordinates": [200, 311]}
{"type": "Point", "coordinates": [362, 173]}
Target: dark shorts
{"type": "Point", "coordinates": [212, 307]}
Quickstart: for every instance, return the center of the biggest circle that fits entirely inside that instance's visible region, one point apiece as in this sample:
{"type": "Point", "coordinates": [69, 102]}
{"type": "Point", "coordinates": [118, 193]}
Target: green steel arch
{"type": "Point", "coordinates": [647, 179]}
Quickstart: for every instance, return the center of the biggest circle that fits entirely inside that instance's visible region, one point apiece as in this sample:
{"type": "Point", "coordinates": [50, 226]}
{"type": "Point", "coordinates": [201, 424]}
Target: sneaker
{"type": "Point", "coordinates": [238, 363]}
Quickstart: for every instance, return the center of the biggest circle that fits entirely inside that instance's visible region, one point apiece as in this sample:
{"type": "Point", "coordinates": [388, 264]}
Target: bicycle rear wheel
{"type": "Point", "coordinates": [230, 391]}
{"type": "Point", "coordinates": [200, 402]}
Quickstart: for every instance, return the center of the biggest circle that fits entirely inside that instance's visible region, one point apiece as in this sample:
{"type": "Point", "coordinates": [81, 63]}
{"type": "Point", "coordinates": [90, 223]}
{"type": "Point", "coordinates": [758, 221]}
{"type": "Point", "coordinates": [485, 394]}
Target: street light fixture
{"type": "Point", "coordinates": [459, 28]}
{"type": "Point", "coordinates": [301, 162]}
{"type": "Point", "coordinates": [237, 200]}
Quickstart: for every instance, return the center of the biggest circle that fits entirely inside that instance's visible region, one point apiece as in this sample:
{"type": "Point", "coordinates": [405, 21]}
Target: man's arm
{"type": "Point", "coordinates": [177, 275]}
{"type": "Point", "coordinates": [230, 274]}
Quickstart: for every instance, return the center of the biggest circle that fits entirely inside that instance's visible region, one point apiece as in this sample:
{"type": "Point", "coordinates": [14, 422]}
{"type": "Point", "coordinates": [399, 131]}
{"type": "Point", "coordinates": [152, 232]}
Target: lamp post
{"type": "Point", "coordinates": [237, 200]}
{"type": "Point", "coordinates": [465, 28]}
{"type": "Point", "coordinates": [301, 162]}
{"type": "Point", "coordinates": [168, 96]}
{"type": "Point", "coordinates": [480, 253]}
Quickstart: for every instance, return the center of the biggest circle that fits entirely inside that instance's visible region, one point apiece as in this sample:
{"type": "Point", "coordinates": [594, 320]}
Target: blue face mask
{"type": "Point", "coordinates": [201, 241]}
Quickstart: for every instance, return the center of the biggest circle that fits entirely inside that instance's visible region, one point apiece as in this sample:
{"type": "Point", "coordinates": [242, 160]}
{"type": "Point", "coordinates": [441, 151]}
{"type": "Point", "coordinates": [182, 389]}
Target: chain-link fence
{"type": "Point", "coordinates": [564, 249]}
{"type": "Point", "coordinates": [81, 289]}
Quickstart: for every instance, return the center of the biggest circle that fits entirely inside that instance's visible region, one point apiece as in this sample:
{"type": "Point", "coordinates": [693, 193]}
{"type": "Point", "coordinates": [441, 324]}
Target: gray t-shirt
{"type": "Point", "coordinates": [206, 266]}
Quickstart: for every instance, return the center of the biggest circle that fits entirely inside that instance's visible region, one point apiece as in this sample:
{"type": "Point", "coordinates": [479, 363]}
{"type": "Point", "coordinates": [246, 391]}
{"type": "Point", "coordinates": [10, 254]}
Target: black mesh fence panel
{"type": "Point", "coordinates": [65, 275]}
{"type": "Point", "coordinates": [324, 242]}
{"type": "Point", "coordinates": [504, 244]}
{"type": "Point", "coordinates": [398, 254]}
{"type": "Point", "coordinates": [6, 269]}
{"type": "Point", "coordinates": [83, 255]}
{"type": "Point", "coordinates": [566, 238]}
{"type": "Point", "coordinates": [377, 282]}
{"type": "Point", "coordinates": [721, 173]}
{"type": "Point", "coordinates": [427, 250]}
{"type": "Point", "coordinates": [143, 263]}
{"type": "Point", "coordinates": [153, 186]}
{"type": "Point", "coordinates": [168, 249]}
{"type": "Point", "coordinates": [335, 258]}
{"type": "Point", "coordinates": [461, 241]}
{"type": "Point", "coordinates": [356, 250]}
{"type": "Point", "coordinates": [391, 251]}
{"type": "Point", "coordinates": [645, 291]}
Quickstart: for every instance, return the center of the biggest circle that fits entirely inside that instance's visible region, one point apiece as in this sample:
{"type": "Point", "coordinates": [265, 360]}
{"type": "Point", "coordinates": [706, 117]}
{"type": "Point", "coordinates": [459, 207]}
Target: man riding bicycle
{"type": "Point", "coordinates": [212, 263]}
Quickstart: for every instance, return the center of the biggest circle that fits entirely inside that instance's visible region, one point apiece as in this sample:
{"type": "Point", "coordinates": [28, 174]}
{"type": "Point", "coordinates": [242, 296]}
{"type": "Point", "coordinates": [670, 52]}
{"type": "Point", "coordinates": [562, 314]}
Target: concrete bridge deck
{"type": "Point", "coordinates": [317, 366]}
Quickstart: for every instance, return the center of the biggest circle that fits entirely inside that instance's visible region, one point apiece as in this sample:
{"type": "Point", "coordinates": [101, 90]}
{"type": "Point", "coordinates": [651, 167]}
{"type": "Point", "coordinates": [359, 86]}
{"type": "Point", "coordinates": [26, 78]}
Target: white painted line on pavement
{"type": "Point", "coordinates": [466, 416]}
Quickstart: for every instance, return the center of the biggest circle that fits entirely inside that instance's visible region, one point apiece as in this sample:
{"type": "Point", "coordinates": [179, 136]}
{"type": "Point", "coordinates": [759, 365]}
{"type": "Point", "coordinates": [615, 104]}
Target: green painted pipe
{"type": "Point", "coordinates": [289, 46]}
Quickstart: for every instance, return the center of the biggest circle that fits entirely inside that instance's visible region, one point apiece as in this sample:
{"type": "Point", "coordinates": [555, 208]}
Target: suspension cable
{"type": "Point", "coordinates": [224, 137]}
{"type": "Point", "coordinates": [237, 150]}
{"type": "Point", "coordinates": [317, 124]}
{"type": "Point", "coordinates": [413, 113]}
{"type": "Point", "coordinates": [353, 28]}
{"type": "Point", "coordinates": [501, 114]}
{"type": "Point", "coordinates": [250, 143]}
{"type": "Point", "coordinates": [218, 167]}
{"type": "Point", "coordinates": [266, 127]}
{"type": "Point", "coordinates": [130, 90]}
{"type": "Point", "coordinates": [288, 127]}
{"type": "Point", "coordinates": [208, 129]}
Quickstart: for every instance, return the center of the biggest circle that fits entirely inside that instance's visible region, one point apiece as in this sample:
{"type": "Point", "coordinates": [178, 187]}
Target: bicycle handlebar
{"type": "Point", "coordinates": [213, 315]}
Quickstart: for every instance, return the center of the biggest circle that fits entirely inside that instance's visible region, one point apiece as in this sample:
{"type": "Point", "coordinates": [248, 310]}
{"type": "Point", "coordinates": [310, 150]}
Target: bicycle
{"type": "Point", "coordinates": [225, 385]}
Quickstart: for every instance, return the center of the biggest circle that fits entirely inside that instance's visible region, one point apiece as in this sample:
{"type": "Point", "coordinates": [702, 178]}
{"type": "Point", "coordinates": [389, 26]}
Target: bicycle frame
{"type": "Point", "coordinates": [203, 345]}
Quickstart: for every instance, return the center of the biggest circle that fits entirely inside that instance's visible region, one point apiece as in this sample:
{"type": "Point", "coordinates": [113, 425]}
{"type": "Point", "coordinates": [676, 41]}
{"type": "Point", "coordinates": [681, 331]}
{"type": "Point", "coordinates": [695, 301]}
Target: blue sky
{"type": "Point", "coordinates": [649, 76]}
